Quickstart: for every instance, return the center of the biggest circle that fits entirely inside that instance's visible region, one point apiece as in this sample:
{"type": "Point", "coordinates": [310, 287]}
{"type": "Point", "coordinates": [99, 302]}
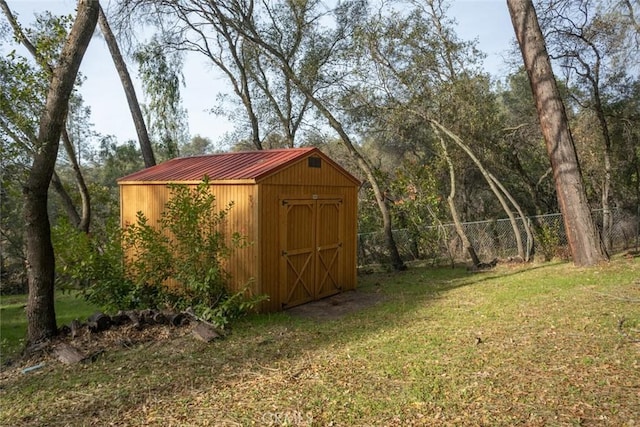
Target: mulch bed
{"type": "Point", "coordinates": [85, 342]}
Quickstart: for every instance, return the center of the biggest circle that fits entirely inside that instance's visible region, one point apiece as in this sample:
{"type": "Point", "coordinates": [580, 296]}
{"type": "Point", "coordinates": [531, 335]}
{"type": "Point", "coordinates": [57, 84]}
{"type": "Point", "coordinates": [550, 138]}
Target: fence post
{"type": "Point", "coordinates": [529, 240]}
{"type": "Point", "coordinates": [638, 229]}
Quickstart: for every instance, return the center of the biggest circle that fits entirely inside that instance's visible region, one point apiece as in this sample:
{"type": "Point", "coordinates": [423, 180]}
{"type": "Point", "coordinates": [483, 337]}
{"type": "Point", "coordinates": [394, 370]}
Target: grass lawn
{"type": "Point", "coordinates": [546, 344]}
{"type": "Point", "coordinates": [13, 320]}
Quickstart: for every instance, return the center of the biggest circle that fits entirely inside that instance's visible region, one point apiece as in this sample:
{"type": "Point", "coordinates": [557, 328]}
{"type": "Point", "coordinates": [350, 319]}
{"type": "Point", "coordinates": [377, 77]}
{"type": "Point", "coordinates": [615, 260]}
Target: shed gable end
{"type": "Point", "coordinates": [314, 169]}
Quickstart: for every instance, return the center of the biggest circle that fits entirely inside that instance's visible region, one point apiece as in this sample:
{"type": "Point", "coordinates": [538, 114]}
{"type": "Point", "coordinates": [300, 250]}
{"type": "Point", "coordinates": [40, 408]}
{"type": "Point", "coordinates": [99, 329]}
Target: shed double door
{"type": "Point", "coordinates": [310, 242]}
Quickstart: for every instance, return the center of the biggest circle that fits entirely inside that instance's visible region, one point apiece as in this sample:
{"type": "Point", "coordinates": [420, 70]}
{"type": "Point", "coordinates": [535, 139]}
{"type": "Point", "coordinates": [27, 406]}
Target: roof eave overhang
{"type": "Point", "coordinates": [211, 182]}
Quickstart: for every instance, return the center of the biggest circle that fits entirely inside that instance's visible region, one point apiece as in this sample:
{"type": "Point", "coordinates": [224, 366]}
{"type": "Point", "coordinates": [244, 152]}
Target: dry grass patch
{"type": "Point", "coordinates": [535, 345]}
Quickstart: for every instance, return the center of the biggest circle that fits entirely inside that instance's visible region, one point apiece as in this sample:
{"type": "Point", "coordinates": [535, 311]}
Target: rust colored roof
{"type": "Point", "coordinates": [242, 165]}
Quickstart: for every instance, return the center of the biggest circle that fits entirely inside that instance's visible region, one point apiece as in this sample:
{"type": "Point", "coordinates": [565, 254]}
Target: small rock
{"type": "Point", "coordinates": [178, 319]}
{"type": "Point", "coordinates": [75, 327]}
{"type": "Point", "coordinates": [68, 354]}
{"type": "Point", "coordinates": [205, 332]}
{"type": "Point", "coordinates": [160, 318]}
{"type": "Point", "coordinates": [99, 322]}
{"type": "Point", "coordinates": [120, 318]}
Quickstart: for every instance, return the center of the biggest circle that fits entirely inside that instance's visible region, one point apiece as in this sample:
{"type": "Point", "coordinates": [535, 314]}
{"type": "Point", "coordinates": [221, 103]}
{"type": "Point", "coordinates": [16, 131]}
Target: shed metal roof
{"type": "Point", "coordinates": [242, 165]}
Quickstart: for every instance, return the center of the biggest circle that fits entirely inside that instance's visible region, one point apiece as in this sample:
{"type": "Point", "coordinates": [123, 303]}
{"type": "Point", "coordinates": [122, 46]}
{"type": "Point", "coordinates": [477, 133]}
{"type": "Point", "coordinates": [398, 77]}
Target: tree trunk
{"type": "Point", "coordinates": [85, 219]}
{"type": "Point", "coordinates": [491, 180]}
{"type": "Point", "coordinates": [584, 240]}
{"type": "Point", "coordinates": [67, 202]}
{"type": "Point", "coordinates": [253, 119]}
{"type": "Point", "coordinates": [607, 218]}
{"type": "Point", "coordinates": [129, 90]}
{"type": "Point", "coordinates": [40, 257]}
{"type": "Point", "coordinates": [525, 221]}
{"type": "Point", "coordinates": [452, 206]}
{"type": "Point", "coordinates": [245, 96]}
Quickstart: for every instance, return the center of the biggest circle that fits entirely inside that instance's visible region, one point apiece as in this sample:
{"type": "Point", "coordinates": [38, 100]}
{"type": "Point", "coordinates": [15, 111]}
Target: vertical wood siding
{"type": "Point", "coordinates": [151, 199]}
{"type": "Point", "coordinates": [147, 198]}
{"type": "Point", "coordinates": [243, 263]}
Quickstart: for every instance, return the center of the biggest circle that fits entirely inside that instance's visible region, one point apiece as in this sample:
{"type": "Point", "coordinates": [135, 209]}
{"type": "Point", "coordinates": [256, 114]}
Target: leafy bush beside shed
{"type": "Point", "coordinates": [296, 207]}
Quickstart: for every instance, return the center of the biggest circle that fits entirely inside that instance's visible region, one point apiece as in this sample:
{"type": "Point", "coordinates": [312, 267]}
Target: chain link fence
{"type": "Point", "coordinates": [494, 239]}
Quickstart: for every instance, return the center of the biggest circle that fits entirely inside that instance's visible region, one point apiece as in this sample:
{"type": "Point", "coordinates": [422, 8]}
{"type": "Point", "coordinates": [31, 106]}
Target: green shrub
{"type": "Point", "coordinates": [93, 265]}
{"type": "Point", "coordinates": [178, 263]}
{"type": "Point", "coordinates": [549, 238]}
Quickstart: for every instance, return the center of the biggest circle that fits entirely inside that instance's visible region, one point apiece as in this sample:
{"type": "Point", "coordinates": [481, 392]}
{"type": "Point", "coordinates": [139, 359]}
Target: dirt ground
{"type": "Point", "coordinates": [336, 306]}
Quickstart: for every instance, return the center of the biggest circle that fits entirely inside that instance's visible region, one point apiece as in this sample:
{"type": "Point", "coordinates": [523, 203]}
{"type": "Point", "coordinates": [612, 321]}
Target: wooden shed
{"type": "Point", "coordinates": [297, 208]}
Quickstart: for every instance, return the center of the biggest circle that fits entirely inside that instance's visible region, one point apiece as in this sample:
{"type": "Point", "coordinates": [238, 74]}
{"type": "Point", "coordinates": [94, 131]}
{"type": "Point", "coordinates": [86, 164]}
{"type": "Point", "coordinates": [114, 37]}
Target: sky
{"type": "Point", "coordinates": [485, 20]}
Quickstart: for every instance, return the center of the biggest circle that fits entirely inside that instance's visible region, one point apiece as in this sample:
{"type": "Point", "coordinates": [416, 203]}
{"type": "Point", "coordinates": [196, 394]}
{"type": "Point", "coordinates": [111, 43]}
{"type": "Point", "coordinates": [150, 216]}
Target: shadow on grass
{"type": "Point", "coordinates": [261, 343]}
{"type": "Point", "coordinates": [13, 319]}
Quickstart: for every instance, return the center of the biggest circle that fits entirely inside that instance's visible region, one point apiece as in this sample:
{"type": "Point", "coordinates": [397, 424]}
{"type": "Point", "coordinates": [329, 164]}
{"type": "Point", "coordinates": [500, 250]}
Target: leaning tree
{"type": "Point", "coordinates": [584, 240]}
{"type": "Point", "coordinates": [40, 261]}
